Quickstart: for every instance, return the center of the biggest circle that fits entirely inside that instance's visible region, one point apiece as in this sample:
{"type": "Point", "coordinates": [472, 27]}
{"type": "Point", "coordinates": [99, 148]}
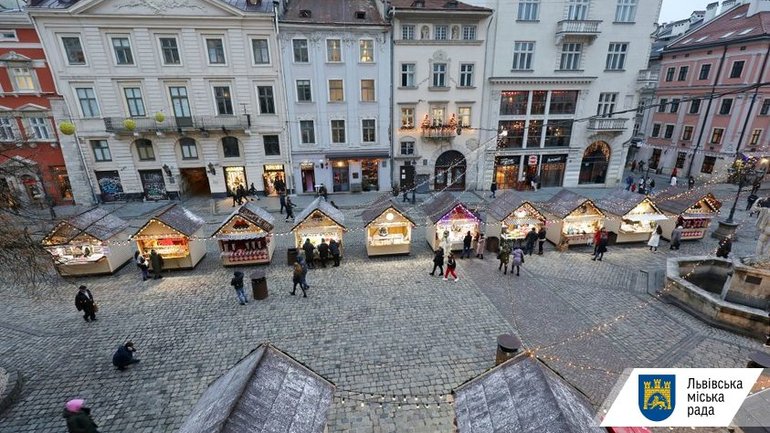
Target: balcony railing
{"type": "Point", "coordinates": [578, 27]}
{"type": "Point", "coordinates": [439, 132]}
{"type": "Point", "coordinates": [203, 124]}
{"type": "Point", "coordinates": [607, 124]}
{"type": "Point", "coordinates": [647, 79]}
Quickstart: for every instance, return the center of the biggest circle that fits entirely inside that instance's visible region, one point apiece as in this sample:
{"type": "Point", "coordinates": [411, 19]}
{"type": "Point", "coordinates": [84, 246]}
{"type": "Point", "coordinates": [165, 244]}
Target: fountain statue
{"type": "Point", "coordinates": [763, 232]}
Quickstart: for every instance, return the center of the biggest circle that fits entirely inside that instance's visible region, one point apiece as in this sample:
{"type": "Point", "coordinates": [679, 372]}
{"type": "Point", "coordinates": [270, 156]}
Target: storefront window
{"type": "Point", "coordinates": [235, 177]}
{"type": "Point", "coordinates": [552, 170]}
{"type": "Point", "coordinates": [370, 174]}
{"type": "Point", "coordinates": [708, 164]}
{"type": "Point", "coordinates": [538, 102]}
{"type": "Point", "coordinates": [515, 137]}
{"type": "Point", "coordinates": [596, 159]}
{"type": "Point", "coordinates": [274, 173]}
{"type": "Point", "coordinates": [450, 171]}
{"type": "Point", "coordinates": [514, 103]}
{"type": "Point", "coordinates": [507, 171]}
{"type": "Point", "coordinates": [110, 185]}
{"type": "Point", "coordinates": [563, 102]}
{"type": "Point", "coordinates": [62, 180]}
{"type": "Point", "coordinates": [558, 133]}
{"type": "Point", "coordinates": [534, 133]}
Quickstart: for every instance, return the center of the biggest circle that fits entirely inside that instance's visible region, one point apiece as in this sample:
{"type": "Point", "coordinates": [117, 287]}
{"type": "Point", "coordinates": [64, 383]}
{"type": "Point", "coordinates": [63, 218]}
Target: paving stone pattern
{"type": "Point", "coordinates": [378, 326]}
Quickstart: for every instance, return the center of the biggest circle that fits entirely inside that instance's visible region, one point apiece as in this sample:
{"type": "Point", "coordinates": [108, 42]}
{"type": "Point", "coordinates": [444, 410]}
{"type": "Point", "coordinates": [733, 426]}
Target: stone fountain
{"type": "Point", "coordinates": [732, 294]}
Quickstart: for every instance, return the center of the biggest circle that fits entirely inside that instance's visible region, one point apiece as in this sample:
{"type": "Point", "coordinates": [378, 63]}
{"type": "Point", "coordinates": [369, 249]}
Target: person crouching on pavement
{"type": "Point", "coordinates": [78, 417]}
{"type": "Point", "coordinates": [124, 356]}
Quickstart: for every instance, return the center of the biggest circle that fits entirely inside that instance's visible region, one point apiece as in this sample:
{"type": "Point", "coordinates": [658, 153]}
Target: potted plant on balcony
{"type": "Point", "coordinates": [129, 124]}
{"type": "Point", "coordinates": [67, 128]}
{"type": "Point", "coordinates": [160, 117]}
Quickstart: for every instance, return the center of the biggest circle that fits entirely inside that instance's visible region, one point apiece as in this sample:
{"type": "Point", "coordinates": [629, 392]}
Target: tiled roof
{"type": "Point", "coordinates": [675, 201]}
{"type": "Point", "coordinates": [507, 202]}
{"type": "Point", "coordinates": [95, 222]}
{"type": "Point", "coordinates": [325, 208]}
{"type": "Point", "coordinates": [333, 12]}
{"type": "Point", "coordinates": [437, 5]}
{"type": "Point", "coordinates": [244, 5]}
{"type": "Point", "coordinates": [379, 206]}
{"type": "Point", "coordinates": [564, 203]}
{"type": "Point", "coordinates": [620, 201]}
{"type": "Point", "coordinates": [730, 26]}
{"type": "Point", "coordinates": [179, 219]}
{"type": "Point", "coordinates": [252, 213]}
{"type": "Point", "coordinates": [441, 204]}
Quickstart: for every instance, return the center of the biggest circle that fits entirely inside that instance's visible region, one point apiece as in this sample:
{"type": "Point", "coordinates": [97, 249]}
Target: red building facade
{"type": "Point", "coordinates": [699, 134]}
{"type": "Point", "coordinates": [32, 168]}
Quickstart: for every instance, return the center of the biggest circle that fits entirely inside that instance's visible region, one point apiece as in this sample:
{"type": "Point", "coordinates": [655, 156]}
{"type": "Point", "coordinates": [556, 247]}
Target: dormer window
{"type": "Point", "coordinates": [305, 13]}
{"type": "Point", "coordinates": [418, 4]}
{"type": "Point", "coordinates": [360, 15]}
{"type": "Point", "coordinates": [451, 4]}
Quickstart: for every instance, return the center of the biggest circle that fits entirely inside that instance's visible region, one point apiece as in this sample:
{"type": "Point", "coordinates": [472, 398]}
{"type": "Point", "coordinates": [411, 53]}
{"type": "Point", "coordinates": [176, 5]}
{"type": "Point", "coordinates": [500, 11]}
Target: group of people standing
{"type": "Point", "coordinates": [156, 260]}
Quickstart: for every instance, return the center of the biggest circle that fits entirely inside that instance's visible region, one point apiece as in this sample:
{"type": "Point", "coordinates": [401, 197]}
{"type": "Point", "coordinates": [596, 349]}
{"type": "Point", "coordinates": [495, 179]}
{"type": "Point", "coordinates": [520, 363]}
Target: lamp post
{"type": "Point", "coordinates": [746, 174]}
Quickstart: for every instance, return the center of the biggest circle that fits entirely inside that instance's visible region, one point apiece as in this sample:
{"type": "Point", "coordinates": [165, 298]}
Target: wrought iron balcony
{"type": "Point", "coordinates": [204, 124]}
{"type": "Point", "coordinates": [607, 124]}
{"type": "Point", "coordinates": [588, 28]}
{"type": "Point", "coordinates": [442, 132]}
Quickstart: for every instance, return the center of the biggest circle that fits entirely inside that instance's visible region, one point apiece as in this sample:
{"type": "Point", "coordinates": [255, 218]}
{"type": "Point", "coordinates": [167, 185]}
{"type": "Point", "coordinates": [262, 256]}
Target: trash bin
{"type": "Point", "coordinates": [508, 346]}
{"type": "Point", "coordinates": [259, 285]}
{"type": "Point", "coordinates": [291, 256]}
{"type": "Point", "coordinates": [492, 244]}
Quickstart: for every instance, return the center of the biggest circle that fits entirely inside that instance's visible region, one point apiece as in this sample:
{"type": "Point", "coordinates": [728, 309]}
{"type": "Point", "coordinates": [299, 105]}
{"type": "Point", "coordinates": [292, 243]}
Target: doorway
{"type": "Point", "coordinates": [153, 184]}
{"type": "Point", "coordinates": [273, 173]}
{"type": "Point", "coordinates": [507, 171]}
{"type": "Point", "coordinates": [195, 182]}
{"type": "Point", "coordinates": [450, 171]}
{"type": "Point", "coordinates": [406, 175]}
{"type": "Point", "coordinates": [596, 160]}
{"type": "Point", "coordinates": [307, 173]}
{"type": "Point", "coordinates": [340, 176]}
{"type": "Point", "coordinates": [235, 177]}
{"type": "Point", "coordinates": [552, 170]}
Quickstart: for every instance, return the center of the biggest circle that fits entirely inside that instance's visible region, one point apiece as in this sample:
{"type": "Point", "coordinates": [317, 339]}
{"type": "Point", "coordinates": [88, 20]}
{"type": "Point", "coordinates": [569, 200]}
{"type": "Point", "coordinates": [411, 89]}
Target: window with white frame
{"type": "Point", "coordinates": [756, 134]}
{"type": "Point", "coordinates": [338, 131]}
{"type": "Point", "coordinates": [367, 91]}
{"type": "Point", "coordinates": [307, 131]}
{"type": "Point", "coordinates": [606, 105]}
{"type": "Point", "coordinates": [616, 56]}
{"type": "Point", "coordinates": [299, 47]}
{"type": "Point", "coordinates": [570, 56]}
{"type": "Point", "coordinates": [215, 48]}
{"type": "Point", "coordinates": [73, 50]}
{"type": "Point", "coordinates": [726, 106]}
{"type": "Point", "coordinates": [655, 130]}
{"type": "Point", "coordinates": [260, 51]}
{"type": "Point", "coordinates": [716, 135]}
{"type": "Point", "coordinates": [336, 91]}
{"type": "Point", "coordinates": [39, 128]}
{"type": "Point", "coordinates": [7, 35]}
{"type": "Point", "coordinates": [101, 150]}
{"type": "Point", "coordinates": [440, 32]}
{"type": "Point", "coordinates": [134, 101]}
{"type": "Point", "coordinates": [23, 79]}
{"type": "Point", "coordinates": [272, 145]}
{"type": "Point", "coordinates": [687, 133]}
{"type": "Point", "coordinates": [694, 106]}
{"type": "Point", "coordinates": [439, 75]}
{"type": "Point", "coordinates": [437, 114]}
{"type": "Point", "coordinates": [577, 10]}
{"type": "Point", "coordinates": [7, 130]}
{"type": "Point", "coordinates": [407, 147]}
{"type": "Point", "coordinates": [469, 33]}
{"type": "Point", "coordinates": [87, 100]}
{"type": "Point", "coordinates": [674, 107]}
{"type": "Point", "coordinates": [407, 117]}
{"type": "Point", "coordinates": [169, 49]}
{"type": "Point", "coordinates": [266, 99]}
{"type": "Point", "coordinates": [528, 10]}
{"type": "Point", "coordinates": [625, 12]}
{"type": "Point", "coordinates": [121, 46]}
{"type": "Point", "coordinates": [368, 130]}
{"type": "Point", "coordinates": [223, 100]}
{"type": "Point", "coordinates": [407, 74]}
{"type": "Point", "coordinates": [188, 147]}
{"type": "Point", "coordinates": [523, 51]}
{"type": "Point", "coordinates": [466, 75]}
{"type": "Point", "coordinates": [144, 149]}
{"type": "Point", "coordinates": [304, 92]}
{"type": "Point", "coordinates": [366, 51]}
{"type": "Point", "coordinates": [464, 116]}
{"type": "Point", "coordinates": [333, 50]}
{"type": "Point", "coordinates": [407, 32]}
{"type": "Point", "coordinates": [669, 131]}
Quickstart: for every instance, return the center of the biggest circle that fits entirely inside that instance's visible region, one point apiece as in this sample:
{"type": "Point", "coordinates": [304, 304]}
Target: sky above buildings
{"type": "Point", "coordinates": [673, 10]}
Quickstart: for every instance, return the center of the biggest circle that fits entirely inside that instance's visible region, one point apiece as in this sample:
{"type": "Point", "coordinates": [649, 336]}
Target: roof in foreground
{"type": "Point", "coordinates": [267, 391]}
{"type": "Point", "coordinates": [437, 5]}
{"type": "Point", "coordinates": [244, 5]}
{"type": "Point", "coordinates": [522, 395]}
{"type": "Point", "coordinates": [350, 12]}
{"type": "Point", "coordinates": [729, 27]}
{"type": "Point", "coordinates": [95, 222]}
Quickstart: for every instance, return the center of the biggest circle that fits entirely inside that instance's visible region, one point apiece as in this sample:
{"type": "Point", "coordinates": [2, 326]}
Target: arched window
{"type": "Point", "coordinates": [188, 147]}
{"type": "Point", "coordinates": [230, 147]}
{"type": "Point", "coordinates": [144, 149]}
{"type": "Point", "coordinates": [596, 160]}
{"type": "Point", "coordinates": [450, 171]}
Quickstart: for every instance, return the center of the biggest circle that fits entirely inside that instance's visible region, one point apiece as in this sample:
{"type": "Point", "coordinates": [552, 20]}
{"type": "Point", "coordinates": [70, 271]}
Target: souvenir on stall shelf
{"type": "Point", "coordinates": [631, 217]}
{"type": "Point", "coordinates": [449, 220]}
{"type": "Point", "coordinates": [176, 234]}
{"type": "Point", "coordinates": [573, 219]}
{"type": "Point", "coordinates": [245, 237]}
{"type": "Point", "coordinates": [693, 210]}
{"type": "Point", "coordinates": [510, 216]}
{"type": "Point", "coordinates": [89, 244]}
{"type": "Point", "coordinates": [319, 220]}
{"type": "Point", "coordinates": [388, 228]}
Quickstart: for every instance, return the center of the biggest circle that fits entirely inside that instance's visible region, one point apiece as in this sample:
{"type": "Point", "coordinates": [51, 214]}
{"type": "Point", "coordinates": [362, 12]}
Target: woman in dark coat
{"type": "Point", "coordinates": [309, 249]}
{"type": "Point", "coordinates": [124, 356]}
{"type": "Point", "coordinates": [84, 301]}
{"type": "Point", "coordinates": [334, 248]}
{"type": "Point", "coordinates": [438, 262]}
{"type": "Point", "coordinates": [79, 417]}
{"type": "Point", "coordinates": [156, 260]}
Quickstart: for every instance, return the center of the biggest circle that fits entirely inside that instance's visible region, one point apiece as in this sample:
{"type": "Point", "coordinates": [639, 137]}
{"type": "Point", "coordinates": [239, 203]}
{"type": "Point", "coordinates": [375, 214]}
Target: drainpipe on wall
{"type": "Point", "coordinates": [482, 157]}
{"type": "Point", "coordinates": [289, 174]}
{"type": "Point", "coordinates": [391, 13]}
{"type": "Point", "coordinates": [751, 104]}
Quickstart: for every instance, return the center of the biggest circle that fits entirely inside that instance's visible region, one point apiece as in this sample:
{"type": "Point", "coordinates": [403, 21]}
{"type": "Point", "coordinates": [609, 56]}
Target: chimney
{"type": "Point", "coordinates": [757, 6]}
{"type": "Point", "coordinates": [727, 4]}
{"type": "Point", "coordinates": [711, 11]}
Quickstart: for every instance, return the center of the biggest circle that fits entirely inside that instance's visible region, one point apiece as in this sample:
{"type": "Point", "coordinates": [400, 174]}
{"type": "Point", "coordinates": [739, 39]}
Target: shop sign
{"type": "Point", "coordinates": [306, 165]}
{"type": "Point", "coordinates": [532, 160]}
{"type": "Point", "coordinates": [273, 167]}
{"type": "Point", "coordinates": [554, 159]}
{"type": "Point", "coordinates": [507, 161]}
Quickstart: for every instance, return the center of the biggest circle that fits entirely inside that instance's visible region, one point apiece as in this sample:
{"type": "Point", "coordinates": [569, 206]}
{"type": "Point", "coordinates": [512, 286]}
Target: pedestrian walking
{"type": "Point", "coordinates": [297, 277]}
{"type": "Point", "coordinates": [467, 241]}
{"type": "Point", "coordinates": [690, 182]}
{"type": "Point", "coordinates": [493, 189]}
{"type": "Point", "coordinates": [438, 262]}
{"type": "Point", "coordinates": [597, 237]}
{"type": "Point", "coordinates": [518, 259]}
{"type": "Point", "coordinates": [480, 244]}
{"type": "Point", "coordinates": [405, 190]}
{"type": "Point", "coordinates": [334, 249]}
{"type": "Point", "coordinates": [237, 283]}
{"type": "Point", "coordinates": [156, 260]}
{"type": "Point", "coordinates": [451, 264]}
{"type": "Point", "coordinates": [633, 166]}
{"type": "Point", "coordinates": [629, 182]}
{"type": "Point", "coordinates": [676, 237]}
{"type": "Point", "coordinates": [651, 189]}
{"type": "Point", "coordinates": [641, 166]}
{"type": "Point", "coordinates": [673, 180]}
{"type": "Point", "coordinates": [633, 187]}
{"type": "Point", "coordinates": [725, 247]}
{"type": "Point", "coordinates": [641, 188]}
{"type": "Point", "coordinates": [535, 181]}
{"type": "Point", "coordinates": [309, 250]}
{"type": "Point", "coordinates": [601, 245]}
{"type": "Point", "coordinates": [655, 238]}
{"type": "Point", "coordinates": [674, 172]}
{"type": "Point", "coordinates": [757, 184]}
{"type": "Point", "coordinates": [750, 200]}
{"type": "Point", "coordinates": [530, 240]}
{"type": "Point", "coordinates": [78, 417]}
{"type": "Point", "coordinates": [124, 356]}
{"type": "Point", "coordinates": [84, 301]}
{"type": "Point", "coordinates": [282, 200]}
{"type": "Point", "coordinates": [141, 263]}
{"type": "Point", "coordinates": [504, 255]}
{"type": "Point", "coordinates": [540, 240]}
{"type": "Point", "coordinates": [323, 252]}
{"type": "Point", "coordinates": [289, 209]}
{"type": "Point", "coordinates": [323, 192]}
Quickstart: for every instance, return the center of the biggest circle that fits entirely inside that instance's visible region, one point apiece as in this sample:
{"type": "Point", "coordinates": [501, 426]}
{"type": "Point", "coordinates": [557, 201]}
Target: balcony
{"type": "Point", "coordinates": [439, 133]}
{"type": "Point", "coordinates": [203, 124]}
{"type": "Point", "coordinates": [607, 124]}
{"type": "Point", "coordinates": [588, 29]}
{"type": "Point", "coordinates": [647, 79]}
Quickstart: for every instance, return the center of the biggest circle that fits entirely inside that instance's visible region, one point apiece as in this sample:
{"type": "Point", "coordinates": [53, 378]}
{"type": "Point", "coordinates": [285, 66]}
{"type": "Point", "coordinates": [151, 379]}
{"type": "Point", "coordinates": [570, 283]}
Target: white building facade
{"type": "Point", "coordinates": [169, 98]}
{"type": "Point", "coordinates": [558, 72]}
{"type": "Point", "coordinates": [336, 70]}
{"type": "Point", "coordinates": [438, 81]}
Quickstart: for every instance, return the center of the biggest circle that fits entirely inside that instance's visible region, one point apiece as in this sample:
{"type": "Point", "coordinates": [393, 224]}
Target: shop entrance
{"type": "Point", "coordinates": [109, 185]}
{"type": "Point", "coordinates": [195, 182]}
{"type": "Point", "coordinates": [370, 169]}
{"type": "Point", "coordinates": [340, 176]}
{"type": "Point", "coordinates": [406, 174]}
{"type": "Point", "coordinates": [507, 171]}
{"type": "Point", "coordinates": [552, 170]}
{"type": "Point", "coordinates": [596, 160]}
{"type": "Point", "coordinates": [307, 172]}
{"type": "Point", "coordinates": [153, 184]}
{"type": "Point", "coordinates": [450, 171]}
{"type": "Point", "coordinates": [655, 159]}
{"type": "Point", "coordinates": [273, 173]}
{"type": "Point", "coordinates": [235, 177]}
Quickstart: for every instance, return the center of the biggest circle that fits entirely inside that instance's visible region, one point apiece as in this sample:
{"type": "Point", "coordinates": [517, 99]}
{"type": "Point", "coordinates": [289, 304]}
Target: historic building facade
{"type": "Point", "coordinates": [169, 98]}
{"type": "Point", "coordinates": [560, 76]}
{"type": "Point", "coordinates": [336, 57]}
{"type": "Point", "coordinates": [438, 82]}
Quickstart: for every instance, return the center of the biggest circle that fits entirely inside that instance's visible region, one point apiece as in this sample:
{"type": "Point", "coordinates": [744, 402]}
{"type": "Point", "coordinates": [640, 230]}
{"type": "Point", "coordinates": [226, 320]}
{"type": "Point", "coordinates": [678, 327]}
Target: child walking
{"type": "Point", "coordinates": [451, 264]}
{"type": "Point", "coordinates": [237, 283]}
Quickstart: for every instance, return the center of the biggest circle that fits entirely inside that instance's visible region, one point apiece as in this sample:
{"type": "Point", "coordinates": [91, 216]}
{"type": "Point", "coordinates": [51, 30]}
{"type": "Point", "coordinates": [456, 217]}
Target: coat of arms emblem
{"type": "Point", "coordinates": [657, 395]}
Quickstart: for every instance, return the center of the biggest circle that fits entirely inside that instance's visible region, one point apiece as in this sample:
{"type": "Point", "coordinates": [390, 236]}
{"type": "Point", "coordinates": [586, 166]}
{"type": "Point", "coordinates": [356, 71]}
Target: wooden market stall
{"type": "Point", "coordinates": [693, 210]}
{"type": "Point", "coordinates": [573, 219]}
{"type": "Point", "coordinates": [510, 216]}
{"type": "Point", "coordinates": [176, 234]}
{"type": "Point", "coordinates": [245, 237]}
{"type": "Point", "coordinates": [631, 217]}
{"type": "Point", "coordinates": [89, 244]}
{"type": "Point", "coordinates": [388, 228]}
{"type": "Point", "coordinates": [319, 220]}
{"type": "Point", "coordinates": [449, 220]}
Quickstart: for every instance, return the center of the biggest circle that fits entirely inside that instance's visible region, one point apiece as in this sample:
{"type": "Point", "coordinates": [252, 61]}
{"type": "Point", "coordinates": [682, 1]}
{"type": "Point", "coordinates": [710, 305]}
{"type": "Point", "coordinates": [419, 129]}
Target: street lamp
{"type": "Point", "coordinates": [746, 174]}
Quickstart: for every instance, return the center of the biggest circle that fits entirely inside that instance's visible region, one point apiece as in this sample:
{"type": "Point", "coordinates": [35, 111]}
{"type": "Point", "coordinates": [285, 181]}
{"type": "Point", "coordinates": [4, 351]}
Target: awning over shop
{"type": "Point", "coordinates": [698, 216]}
{"type": "Point", "coordinates": [646, 217]}
{"type": "Point", "coordinates": [354, 155]}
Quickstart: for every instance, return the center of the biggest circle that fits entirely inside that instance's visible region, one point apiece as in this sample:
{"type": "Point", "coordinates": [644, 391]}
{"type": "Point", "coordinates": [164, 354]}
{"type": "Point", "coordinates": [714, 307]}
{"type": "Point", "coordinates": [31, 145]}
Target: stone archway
{"type": "Point", "coordinates": [596, 161]}
{"type": "Point", "coordinates": [450, 171]}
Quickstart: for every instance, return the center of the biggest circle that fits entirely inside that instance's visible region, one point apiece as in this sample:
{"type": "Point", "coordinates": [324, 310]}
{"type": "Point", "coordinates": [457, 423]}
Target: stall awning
{"type": "Point", "coordinates": [530, 221]}
{"type": "Point", "coordinates": [646, 217]}
{"type": "Point", "coordinates": [698, 216]}
{"type": "Point", "coordinates": [362, 154]}
{"type": "Point", "coordinates": [241, 236]}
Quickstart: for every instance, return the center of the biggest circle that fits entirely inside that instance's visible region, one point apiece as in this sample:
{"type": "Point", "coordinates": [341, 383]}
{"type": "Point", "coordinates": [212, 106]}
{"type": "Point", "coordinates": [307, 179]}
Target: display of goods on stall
{"type": "Point", "coordinates": [632, 216]}
{"type": "Point", "coordinates": [694, 210]}
{"type": "Point", "coordinates": [388, 228]}
{"type": "Point", "coordinates": [175, 234]}
{"type": "Point", "coordinates": [449, 220]}
{"type": "Point", "coordinates": [574, 218]}
{"type": "Point", "coordinates": [245, 236]}
{"type": "Point", "coordinates": [319, 220]}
